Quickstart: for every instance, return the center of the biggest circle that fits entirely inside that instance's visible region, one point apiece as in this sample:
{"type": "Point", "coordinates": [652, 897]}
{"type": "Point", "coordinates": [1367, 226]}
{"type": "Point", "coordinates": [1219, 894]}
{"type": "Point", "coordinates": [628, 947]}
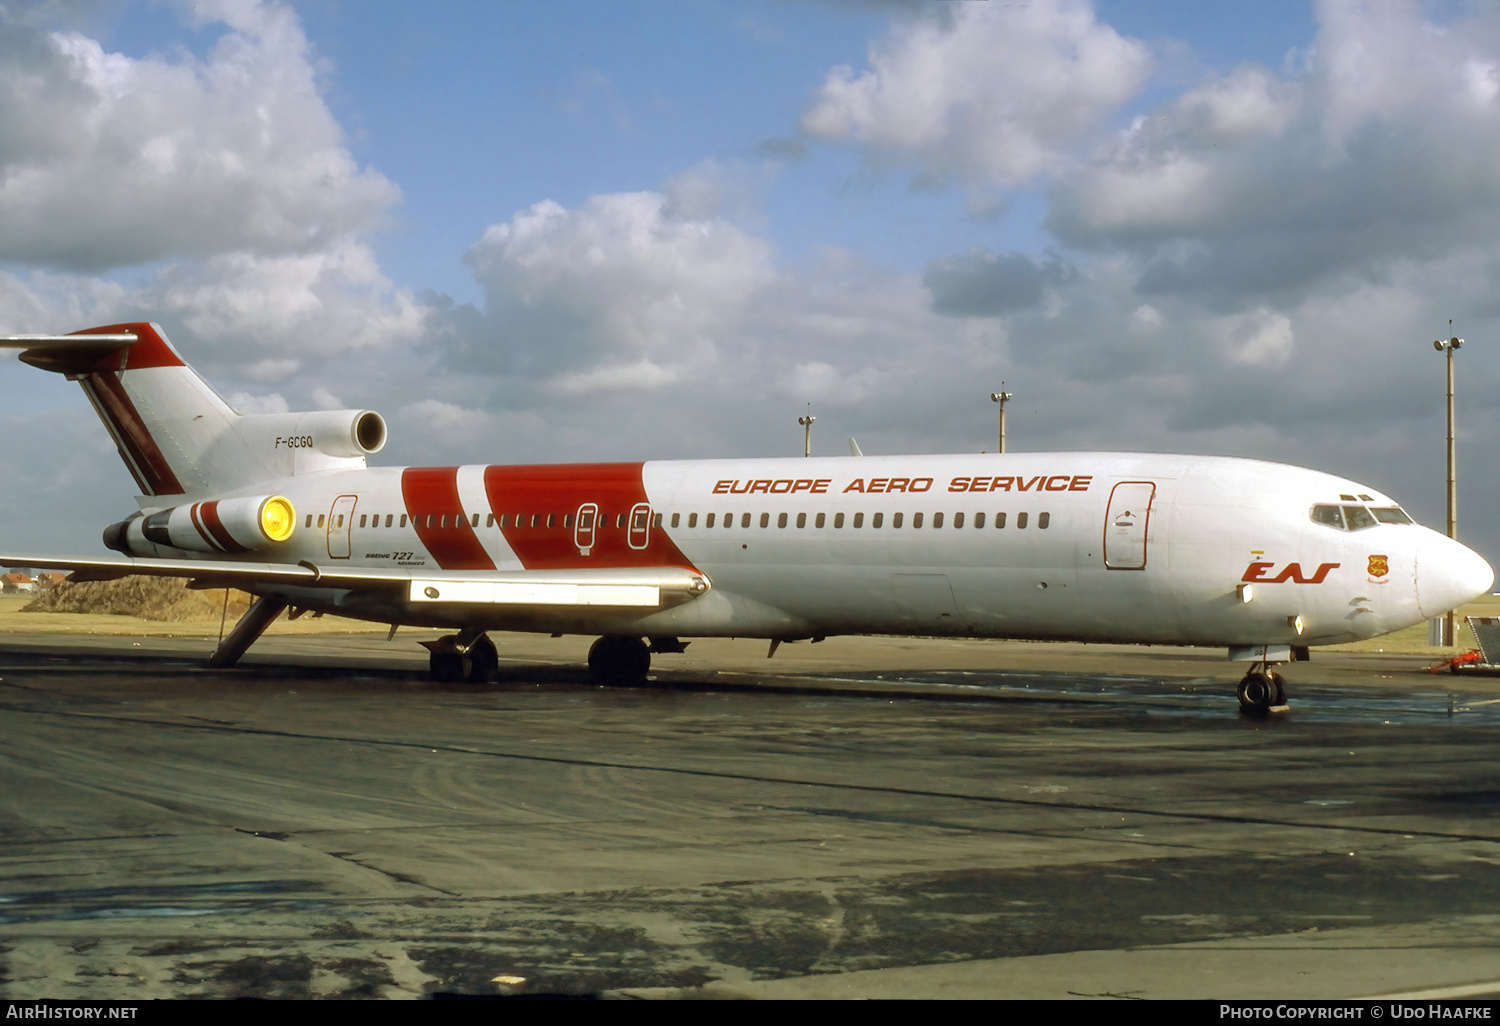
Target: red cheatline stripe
{"type": "Point", "coordinates": [193, 512]}
{"type": "Point", "coordinates": [432, 492]}
{"type": "Point", "coordinates": [216, 526]}
{"type": "Point", "coordinates": [560, 489]}
{"type": "Point", "coordinates": [130, 431]}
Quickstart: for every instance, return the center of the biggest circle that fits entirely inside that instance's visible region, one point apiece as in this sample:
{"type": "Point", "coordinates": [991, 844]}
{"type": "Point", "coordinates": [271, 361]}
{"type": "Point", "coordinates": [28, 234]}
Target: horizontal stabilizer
{"type": "Point", "coordinates": [67, 354]}
{"type": "Point", "coordinates": [56, 341]}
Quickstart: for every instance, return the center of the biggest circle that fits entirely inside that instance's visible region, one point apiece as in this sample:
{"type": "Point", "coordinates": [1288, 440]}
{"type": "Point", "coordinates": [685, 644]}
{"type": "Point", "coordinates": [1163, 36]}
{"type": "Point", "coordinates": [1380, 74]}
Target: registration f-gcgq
{"type": "Point", "coordinates": [1263, 559]}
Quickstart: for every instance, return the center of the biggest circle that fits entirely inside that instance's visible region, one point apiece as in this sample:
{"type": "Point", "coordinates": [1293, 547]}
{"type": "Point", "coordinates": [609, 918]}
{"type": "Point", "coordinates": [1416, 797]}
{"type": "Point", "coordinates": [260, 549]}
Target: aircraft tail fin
{"type": "Point", "coordinates": [176, 435]}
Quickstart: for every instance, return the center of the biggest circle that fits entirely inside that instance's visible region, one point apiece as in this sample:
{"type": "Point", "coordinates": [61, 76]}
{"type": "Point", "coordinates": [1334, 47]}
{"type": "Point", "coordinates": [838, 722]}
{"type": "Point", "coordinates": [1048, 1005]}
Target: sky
{"type": "Point", "coordinates": [544, 232]}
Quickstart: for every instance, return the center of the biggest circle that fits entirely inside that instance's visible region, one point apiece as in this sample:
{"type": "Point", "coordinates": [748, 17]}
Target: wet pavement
{"type": "Point", "coordinates": [843, 822]}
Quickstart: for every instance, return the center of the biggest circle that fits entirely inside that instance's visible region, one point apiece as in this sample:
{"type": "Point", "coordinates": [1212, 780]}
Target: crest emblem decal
{"type": "Point", "coordinates": [1379, 567]}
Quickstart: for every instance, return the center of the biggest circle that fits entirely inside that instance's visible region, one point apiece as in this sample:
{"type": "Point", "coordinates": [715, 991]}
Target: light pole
{"type": "Point", "coordinates": [1000, 398]}
{"type": "Point", "coordinates": [1451, 345]}
{"type": "Point", "coordinates": [807, 423]}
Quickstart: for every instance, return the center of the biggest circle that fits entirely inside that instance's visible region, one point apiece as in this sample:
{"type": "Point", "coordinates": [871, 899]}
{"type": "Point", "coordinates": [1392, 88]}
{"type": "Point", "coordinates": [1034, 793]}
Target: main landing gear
{"type": "Point", "coordinates": [1261, 690]}
{"type": "Point", "coordinates": [467, 656]}
{"type": "Point", "coordinates": [619, 660]}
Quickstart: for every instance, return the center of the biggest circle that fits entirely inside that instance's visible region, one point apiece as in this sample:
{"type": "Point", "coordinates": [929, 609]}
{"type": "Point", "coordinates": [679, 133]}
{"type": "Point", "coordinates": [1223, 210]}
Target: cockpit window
{"type": "Point", "coordinates": [1330, 515]}
{"type": "Point", "coordinates": [1357, 518]}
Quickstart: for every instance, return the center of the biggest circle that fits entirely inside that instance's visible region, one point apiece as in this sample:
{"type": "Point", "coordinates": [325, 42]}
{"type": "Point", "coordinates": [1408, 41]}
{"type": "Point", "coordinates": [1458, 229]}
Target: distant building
{"type": "Point", "coordinates": [16, 584]}
{"type": "Point", "coordinates": [50, 579]}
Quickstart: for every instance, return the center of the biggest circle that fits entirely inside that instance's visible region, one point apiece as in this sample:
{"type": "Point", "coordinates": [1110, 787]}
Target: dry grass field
{"type": "Point", "coordinates": [166, 609]}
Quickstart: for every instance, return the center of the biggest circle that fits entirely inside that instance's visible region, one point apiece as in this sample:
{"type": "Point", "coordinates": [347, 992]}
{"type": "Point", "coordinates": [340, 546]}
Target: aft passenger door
{"type": "Point", "coordinates": [340, 524]}
{"type": "Point", "coordinates": [1126, 525]}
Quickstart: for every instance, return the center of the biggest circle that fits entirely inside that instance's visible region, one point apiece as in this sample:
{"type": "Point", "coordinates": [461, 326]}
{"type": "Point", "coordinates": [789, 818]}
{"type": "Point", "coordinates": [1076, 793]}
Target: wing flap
{"type": "Point", "coordinates": [624, 586]}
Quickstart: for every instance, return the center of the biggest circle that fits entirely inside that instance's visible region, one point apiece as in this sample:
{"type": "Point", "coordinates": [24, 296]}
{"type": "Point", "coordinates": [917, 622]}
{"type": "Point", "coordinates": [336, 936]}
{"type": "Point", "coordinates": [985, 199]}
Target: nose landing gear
{"type": "Point", "coordinates": [1261, 690]}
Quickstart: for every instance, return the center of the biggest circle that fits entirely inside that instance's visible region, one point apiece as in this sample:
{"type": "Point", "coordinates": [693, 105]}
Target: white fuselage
{"type": "Point", "coordinates": [1085, 546]}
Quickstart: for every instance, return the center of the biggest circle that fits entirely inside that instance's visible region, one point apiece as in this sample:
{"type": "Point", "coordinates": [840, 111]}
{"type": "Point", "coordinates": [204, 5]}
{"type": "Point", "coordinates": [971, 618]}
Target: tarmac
{"type": "Point", "coordinates": [859, 818]}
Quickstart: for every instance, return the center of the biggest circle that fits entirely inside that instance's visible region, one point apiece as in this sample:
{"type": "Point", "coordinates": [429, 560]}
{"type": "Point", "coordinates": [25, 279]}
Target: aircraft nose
{"type": "Point", "coordinates": [1449, 574]}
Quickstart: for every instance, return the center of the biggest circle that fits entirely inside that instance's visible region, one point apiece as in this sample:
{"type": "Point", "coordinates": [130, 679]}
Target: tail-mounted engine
{"type": "Point", "coordinates": [284, 444]}
{"type": "Point", "coordinates": [217, 526]}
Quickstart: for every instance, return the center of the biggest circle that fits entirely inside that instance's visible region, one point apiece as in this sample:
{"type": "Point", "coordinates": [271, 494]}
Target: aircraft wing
{"type": "Point", "coordinates": [651, 587]}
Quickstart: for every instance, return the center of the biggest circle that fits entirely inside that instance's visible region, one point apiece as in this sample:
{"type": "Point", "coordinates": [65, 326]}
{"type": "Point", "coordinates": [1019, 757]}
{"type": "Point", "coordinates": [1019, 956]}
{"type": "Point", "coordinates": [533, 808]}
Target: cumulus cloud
{"type": "Point", "coordinates": [600, 295]}
{"type": "Point", "coordinates": [992, 95]}
{"type": "Point", "coordinates": [226, 176]}
{"type": "Point", "coordinates": [980, 283]}
{"type": "Point", "coordinates": [110, 160]}
{"type": "Point", "coordinates": [1379, 146]}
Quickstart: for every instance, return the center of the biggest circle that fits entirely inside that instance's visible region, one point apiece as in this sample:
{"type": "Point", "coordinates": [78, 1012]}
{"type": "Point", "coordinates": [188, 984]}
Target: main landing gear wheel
{"type": "Point", "coordinates": [618, 660]}
{"type": "Point", "coordinates": [1259, 691]}
{"type": "Point", "coordinates": [484, 661]}
{"type": "Point", "coordinates": [450, 663]}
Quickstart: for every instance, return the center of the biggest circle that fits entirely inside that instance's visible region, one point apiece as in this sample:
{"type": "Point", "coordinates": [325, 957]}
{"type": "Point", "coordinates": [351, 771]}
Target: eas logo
{"type": "Point", "coordinates": [1259, 573]}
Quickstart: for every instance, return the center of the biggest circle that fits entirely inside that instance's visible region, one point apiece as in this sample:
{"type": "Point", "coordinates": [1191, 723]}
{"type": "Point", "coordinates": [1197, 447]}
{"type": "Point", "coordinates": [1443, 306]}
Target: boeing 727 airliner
{"type": "Point", "coordinates": [1262, 559]}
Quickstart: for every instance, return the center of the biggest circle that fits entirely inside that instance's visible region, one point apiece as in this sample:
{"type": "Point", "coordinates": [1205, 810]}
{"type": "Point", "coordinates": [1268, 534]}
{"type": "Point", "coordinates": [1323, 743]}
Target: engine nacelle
{"type": "Point", "coordinates": [340, 433]}
{"type": "Point", "coordinates": [217, 526]}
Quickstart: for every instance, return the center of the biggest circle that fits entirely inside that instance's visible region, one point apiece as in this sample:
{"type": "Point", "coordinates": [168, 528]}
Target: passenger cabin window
{"type": "Point", "coordinates": [999, 520]}
{"type": "Point", "coordinates": [978, 520]}
{"type": "Point", "coordinates": [403, 520]}
{"type": "Point", "coordinates": [320, 520]}
{"type": "Point", "coordinates": [838, 519]}
{"type": "Point", "coordinates": [1020, 521]}
{"type": "Point", "coordinates": [676, 519]}
{"type": "Point", "coordinates": [875, 521]}
{"type": "Point", "coordinates": [708, 521]}
{"type": "Point", "coordinates": [859, 519]}
{"type": "Point", "coordinates": [895, 520]}
{"type": "Point", "coordinates": [309, 520]}
{"type": "Point", "coordinates": [361, 520]}
{"type": "Point", "coordinates": [781, 520]}
{"type": "Point", "coordinates": [693, 520]}
{"type": "Point", "coordinates": [388, 517]}
{"type": "Point", "coordinates": [1042, 520]}
{"type": "Point", "coordinates": [819, 523]}
{"type": "Point", "coordinates": [745, 520]}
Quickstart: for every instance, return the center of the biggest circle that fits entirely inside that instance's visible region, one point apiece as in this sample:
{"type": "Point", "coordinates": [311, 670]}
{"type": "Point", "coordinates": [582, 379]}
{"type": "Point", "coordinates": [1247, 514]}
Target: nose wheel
{"type": "Point", "coordinates": [1261, 690]}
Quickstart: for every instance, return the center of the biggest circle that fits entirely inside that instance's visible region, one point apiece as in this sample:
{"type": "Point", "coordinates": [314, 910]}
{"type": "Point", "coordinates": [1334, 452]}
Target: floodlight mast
{"type": "Point", "coordinates": [807, 423]}
{"type": "Point", "coordinates": [1451, 345]}
{"type": "Point", "coordinates": [1000, 397]}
